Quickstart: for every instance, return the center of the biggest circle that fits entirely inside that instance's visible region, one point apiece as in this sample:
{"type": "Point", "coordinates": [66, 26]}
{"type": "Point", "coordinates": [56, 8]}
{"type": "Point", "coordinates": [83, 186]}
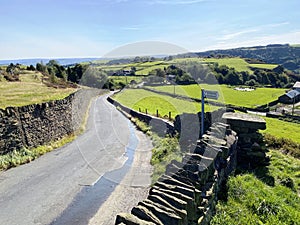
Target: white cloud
{"type": "Point", "coordinates": [176, 2]}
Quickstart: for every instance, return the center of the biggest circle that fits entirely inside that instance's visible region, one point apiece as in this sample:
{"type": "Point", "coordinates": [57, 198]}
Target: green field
{"type": "Point", "coordinates": [282, 129]}
{"type": "Point", "coordinates": [240, 64]}
{"type": "Point", "coordinates": [142, 99]}
{"type": "Point", "coordinates": [228, 95]}
{"type": "Point", "coordinates": [146, 70]}
{"type": "Point", "coordinates": [29, 90]}
{"type": "Point", "coordinates": [264, 66]}
{"type": "Point", "coordinates": [237, 63]}
{"type": "Point", "coordinates": [126, 79]}
{"type": "Point", "coordinates": [296, 45]}
{"type": "Point", "coordinates": [142, 68]}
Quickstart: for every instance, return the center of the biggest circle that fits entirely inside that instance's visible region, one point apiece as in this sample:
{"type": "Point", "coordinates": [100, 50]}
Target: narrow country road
{"type": "Point", "coordinates": [69, 185]}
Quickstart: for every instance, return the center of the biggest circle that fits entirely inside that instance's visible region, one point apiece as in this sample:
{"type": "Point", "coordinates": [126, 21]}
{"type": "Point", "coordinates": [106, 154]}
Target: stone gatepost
{"type": "Point", "coordinates": [250, 142]}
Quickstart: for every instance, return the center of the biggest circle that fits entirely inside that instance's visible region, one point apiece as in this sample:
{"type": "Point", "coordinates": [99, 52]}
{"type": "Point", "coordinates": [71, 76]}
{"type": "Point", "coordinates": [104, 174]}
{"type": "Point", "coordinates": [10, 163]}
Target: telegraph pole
{"type": "Point", "coordinates": [202, 111]}
{"type": "Point", "coordinates": [293, 104]}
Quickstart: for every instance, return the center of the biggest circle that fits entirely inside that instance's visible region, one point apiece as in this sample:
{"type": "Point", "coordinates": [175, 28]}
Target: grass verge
{"type": "Point", "coordinates": [165, 150]}
{"type": "Point", "coordinates": [16, 158]}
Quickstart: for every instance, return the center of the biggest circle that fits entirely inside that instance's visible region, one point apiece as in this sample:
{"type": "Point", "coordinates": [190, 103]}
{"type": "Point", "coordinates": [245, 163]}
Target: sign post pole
{"type": "Point", "coordinates": [210, 95]}
{"type": "Point", "coordinates": [202, 111]}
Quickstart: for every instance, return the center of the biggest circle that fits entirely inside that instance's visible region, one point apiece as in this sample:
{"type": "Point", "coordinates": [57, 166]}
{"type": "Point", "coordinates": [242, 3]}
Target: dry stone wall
{"type": "Point", "coordinates": [188, 192]}
{"type": "Point", "coordinates": [158, 125]}
{"type": "Point", "coordinates": [37, 124]}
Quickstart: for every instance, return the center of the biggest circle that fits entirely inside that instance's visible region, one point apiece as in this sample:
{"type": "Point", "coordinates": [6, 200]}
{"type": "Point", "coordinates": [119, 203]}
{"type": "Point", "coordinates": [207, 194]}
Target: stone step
{"type": "Point", "coordinates": [182, 190]}
{"type": "Point", "coordinates": [164, 214]}
{"type": "Point", "coordinates": [170, 180]}
{"type": "Point", "coordinates": [129, 219]}
{"type": "Point", "coordinates": [176, 202]}
{"type": "Point", "coordinates": [191, 203]}
{"type": "Point", "coordinates": [144, 214]}
{"type": "Point", "coordinates": [157, 199]}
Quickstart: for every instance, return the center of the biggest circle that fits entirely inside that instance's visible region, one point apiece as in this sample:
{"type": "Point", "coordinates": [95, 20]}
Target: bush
{"type": "Point", "coordinates": [285, 145]}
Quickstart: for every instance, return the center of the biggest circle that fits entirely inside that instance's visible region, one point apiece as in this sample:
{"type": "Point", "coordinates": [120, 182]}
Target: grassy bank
{"type": "Point", "coordinates": [251, 200]}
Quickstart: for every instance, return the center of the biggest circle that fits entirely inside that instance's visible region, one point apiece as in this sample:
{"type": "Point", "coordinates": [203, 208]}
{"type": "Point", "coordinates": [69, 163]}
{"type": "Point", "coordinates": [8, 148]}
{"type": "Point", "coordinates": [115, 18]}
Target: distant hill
{"type": "Point", "coordinates": [286, 55]}
{"type": "Point", "coordinates": [62, 61]}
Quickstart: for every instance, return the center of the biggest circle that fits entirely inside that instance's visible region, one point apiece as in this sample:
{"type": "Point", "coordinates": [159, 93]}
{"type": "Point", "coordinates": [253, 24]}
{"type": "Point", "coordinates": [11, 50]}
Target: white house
{"type": "Point", "coordinates": [297, 86]}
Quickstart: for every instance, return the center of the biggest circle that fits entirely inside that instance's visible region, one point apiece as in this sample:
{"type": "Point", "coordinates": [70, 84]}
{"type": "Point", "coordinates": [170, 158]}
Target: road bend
{"type": "Point", "coordinates": [68, 185]}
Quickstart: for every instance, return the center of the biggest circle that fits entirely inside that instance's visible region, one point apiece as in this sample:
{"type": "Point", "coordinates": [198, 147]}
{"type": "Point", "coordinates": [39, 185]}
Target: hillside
{"type": "Point", "coordinates": [286, 55]}
{"type": "Point", "coordinates": [31, 88]}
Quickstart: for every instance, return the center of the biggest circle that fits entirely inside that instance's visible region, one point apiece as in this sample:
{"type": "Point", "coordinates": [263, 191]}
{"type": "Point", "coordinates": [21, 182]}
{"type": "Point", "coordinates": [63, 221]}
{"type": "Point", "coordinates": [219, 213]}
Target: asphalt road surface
{"type": "Point", "coordinates": [68, 185]}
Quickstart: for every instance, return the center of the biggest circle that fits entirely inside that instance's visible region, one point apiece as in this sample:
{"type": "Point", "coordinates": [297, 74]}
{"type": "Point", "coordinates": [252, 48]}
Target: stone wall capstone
{"type": "Point", "coordinates": [38, 124]}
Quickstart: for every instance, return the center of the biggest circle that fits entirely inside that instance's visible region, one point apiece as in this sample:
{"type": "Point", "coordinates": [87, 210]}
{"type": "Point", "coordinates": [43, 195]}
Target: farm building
{"type": "Point", "coordinates": [297, 86]}
{"type": "Point", "coordinates": [290, 97]}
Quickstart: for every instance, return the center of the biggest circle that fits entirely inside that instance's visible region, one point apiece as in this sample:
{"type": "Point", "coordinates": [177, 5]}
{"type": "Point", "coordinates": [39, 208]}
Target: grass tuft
{"type": "Point", "coordinates": [16, 158]}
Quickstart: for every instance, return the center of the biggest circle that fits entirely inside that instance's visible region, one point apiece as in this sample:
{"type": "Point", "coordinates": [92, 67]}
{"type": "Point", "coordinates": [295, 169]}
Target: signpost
{"type": "Point", "coordinates": [210, 95]}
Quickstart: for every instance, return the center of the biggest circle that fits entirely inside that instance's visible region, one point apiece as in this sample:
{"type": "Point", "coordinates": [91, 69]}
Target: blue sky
{"type": "Point", "coordinates": [93, 28]}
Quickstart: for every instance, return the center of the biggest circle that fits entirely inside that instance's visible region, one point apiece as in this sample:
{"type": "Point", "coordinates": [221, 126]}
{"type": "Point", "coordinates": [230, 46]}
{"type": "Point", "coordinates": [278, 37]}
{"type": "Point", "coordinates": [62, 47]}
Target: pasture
{"type": "Point", "coordinates": [228, 94]}
{"type": "Point", "coordinates": [29, 90]}
{"type": "Point", "coordinates": [126, 79]}
{"type": "Point", "coordinates": [142, 99]}
{"type": "Point", "coordinates": [282, 129]}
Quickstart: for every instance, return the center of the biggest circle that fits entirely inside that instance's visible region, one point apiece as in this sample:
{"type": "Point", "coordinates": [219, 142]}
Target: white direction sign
{"type": "Point", "coordinates": [211, 94]}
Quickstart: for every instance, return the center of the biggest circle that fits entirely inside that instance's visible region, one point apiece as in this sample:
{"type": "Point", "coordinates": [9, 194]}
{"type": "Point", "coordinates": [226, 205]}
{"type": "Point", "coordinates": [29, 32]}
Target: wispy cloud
{"type": "Point", "coordinates": [236, 34]}
{"type": "Point", "coordinates": [233, 35]}
{"type": "Point", "coordinates": [131, 28]}
{"type": "Point", "coordinates": [176, 2]}
{"type": "Point", "coordinates": [290, 37]}
{"type": "Point", "coordinates": [278, 24]}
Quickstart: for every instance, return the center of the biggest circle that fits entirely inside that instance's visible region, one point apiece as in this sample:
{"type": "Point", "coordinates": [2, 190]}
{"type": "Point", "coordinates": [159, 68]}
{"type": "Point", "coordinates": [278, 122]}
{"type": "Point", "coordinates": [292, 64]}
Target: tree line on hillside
{"type": "Point", "coordinates": [181, 73]}
{"type": "Point", "coordinates": [286, 55]}
{"type": "Point", "coordinates": [194, 72]}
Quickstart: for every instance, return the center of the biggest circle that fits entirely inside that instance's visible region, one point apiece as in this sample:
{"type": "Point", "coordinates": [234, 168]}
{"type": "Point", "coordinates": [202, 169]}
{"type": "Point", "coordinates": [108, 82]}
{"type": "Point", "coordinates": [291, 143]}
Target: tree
{"type": "Point", "coordinates": [232, 78]}
{"type": "Point", "coordinates": [251, 83]}
{"type": "Point", "coordinates": [94, 77]}
{"type": "Point", "coordinates": [40, 67]}
{"type": "Point", "coordinates": [133, 70]}
{"type": "Point", "coordinates": [31, 68]}
{"type": "Point", "coordinates": [210, 78]}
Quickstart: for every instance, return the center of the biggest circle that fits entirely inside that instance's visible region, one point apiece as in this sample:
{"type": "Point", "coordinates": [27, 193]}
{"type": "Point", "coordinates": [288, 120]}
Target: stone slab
{"type": "Point", "coordinates": [245, 121]}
